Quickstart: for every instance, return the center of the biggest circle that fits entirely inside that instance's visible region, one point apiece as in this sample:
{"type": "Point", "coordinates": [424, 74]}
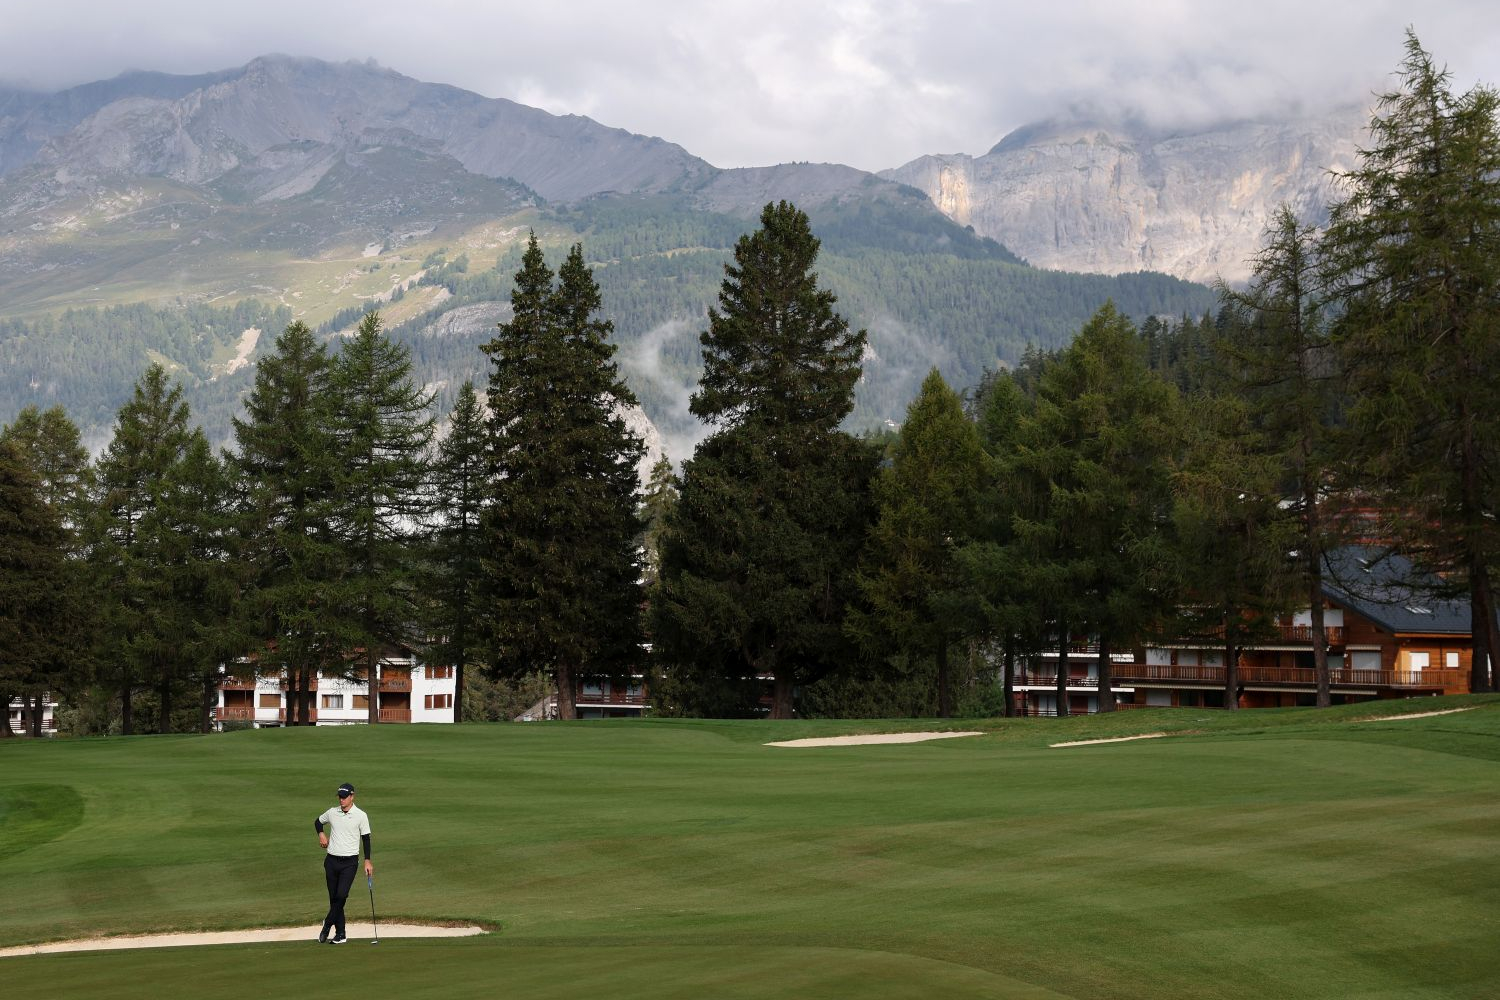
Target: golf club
{"type": "Point", "coordinates": [370, 881]}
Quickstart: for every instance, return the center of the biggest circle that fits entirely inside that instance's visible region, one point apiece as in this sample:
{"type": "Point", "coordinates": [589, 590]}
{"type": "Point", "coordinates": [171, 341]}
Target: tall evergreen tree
{"type": "Point", "coordinates": [139, 543]}
{"type": "Point", "coordinates": [38, 618]}
{"type": "Point", "coordinates": [1412, 255]}
{"type": "Point", "coordinates": [1277, 354]}
{"type": "Point", "coordinates": [757, 564]}
{"type": "Point", "coordinates": [287, 467]}
{"type": "Point", "coordinates": [562, 571]}
{"type": "Point", "coordinates": [460, 494]}
{"type": "Point", "coordinates": [928, 499]}
{"type": "Point", "coordinates": [381, 431]}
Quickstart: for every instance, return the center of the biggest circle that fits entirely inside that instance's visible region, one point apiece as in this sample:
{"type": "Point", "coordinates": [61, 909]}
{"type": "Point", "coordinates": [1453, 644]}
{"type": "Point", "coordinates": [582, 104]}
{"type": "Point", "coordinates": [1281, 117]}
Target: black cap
{"type": "Point", "coordinates": [346, 790]}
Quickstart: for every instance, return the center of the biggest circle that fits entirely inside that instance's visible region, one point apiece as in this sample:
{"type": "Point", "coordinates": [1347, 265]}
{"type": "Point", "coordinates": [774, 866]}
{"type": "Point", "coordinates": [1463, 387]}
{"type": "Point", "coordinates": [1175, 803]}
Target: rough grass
{"type": "Point", "coordinates": [1282, 853]}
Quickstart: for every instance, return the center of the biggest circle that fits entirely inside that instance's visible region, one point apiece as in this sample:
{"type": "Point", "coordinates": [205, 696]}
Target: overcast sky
{"type": "Point", "coordinates": [871, 83]}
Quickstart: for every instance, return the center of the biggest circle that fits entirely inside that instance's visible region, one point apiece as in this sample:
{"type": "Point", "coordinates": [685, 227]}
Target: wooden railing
{"type": "Point", "coordinates": [395, 682]}
{"type": "Point", "coordinates": [1344, 677]}
{"type": "Point", "coordinates": [235, 713]}
{"type": "Point", "coordinates": [613, 698]}
{"type": "Point", "coordinates": [1033, 677]}
{"type": "Point", "coordinates": [395, 715]}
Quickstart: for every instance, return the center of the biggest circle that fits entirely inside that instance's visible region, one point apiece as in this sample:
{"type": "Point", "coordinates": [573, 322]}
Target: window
{"type": "Point", "coordinates": [439, 701]}
{"type": "Point", "coordinates": [270, 701]}
{"type": "Point", "coordinates": [333, 701]}
{"type": "Point", "coordinates": [1418, 661]}
{"type": "Point", "coordinates": [362, 701]}
{"type": "Point", "coordinates": [440, 673]}
{"type": "Point", "coordinates": [1450, 659]}
{"type": "Point", "coordinates": [1417, 609]}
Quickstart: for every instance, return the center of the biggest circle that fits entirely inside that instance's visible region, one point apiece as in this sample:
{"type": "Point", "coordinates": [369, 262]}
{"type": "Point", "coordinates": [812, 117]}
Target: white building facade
{"type": "Point", "coordinates": [407, 690]}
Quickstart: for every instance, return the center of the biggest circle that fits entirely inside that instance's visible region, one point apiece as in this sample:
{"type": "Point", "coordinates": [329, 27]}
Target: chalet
{"type": "Point", "coordinates": [597, 698]}
{"type": "Point", "coordinates": [22, 711]}
{"type": "Point", "coordinates": [406, 690]}
{"type": "Point", "coordinates": [1389, 636]}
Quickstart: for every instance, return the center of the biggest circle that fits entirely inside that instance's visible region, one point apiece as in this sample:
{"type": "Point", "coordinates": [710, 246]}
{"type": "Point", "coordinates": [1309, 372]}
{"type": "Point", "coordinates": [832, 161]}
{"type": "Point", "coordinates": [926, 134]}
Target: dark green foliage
{"type": "Point", "coordinates": [86, 360]}
{"type": "Point", "coordinates": [1412, 256]}
{"type": "Point", "coordinates": [1275, 355]}
{"type": "Point", "coordinates": [758, 559]}
{"type": "Point", "coordinates": [155, 546]}
{"type": "Point", "coordinates": [381, 429]}
{"type": "Point", "coordinates": [41, 616]}
{"type": "Point", "coordinates": [460, 489]}
{"type": "Point", "coordinates": [287, 468]}
{"type": "Point", "coordinates": [929, 499]}
{"type": "Point", "coordinates": [561, 570]}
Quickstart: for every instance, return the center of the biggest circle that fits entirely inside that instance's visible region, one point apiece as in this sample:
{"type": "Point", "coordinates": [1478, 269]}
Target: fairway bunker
{"type": "Point", "coordinates": [255, 936]}
{"type": "Point", "coordinates": [869, 740]}
{"type": "Point", "coordinates": [1112, 739]}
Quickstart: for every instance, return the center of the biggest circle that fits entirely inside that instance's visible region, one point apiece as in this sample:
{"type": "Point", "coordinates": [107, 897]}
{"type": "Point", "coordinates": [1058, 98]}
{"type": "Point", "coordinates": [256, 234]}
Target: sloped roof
{"type": "Point", "coordinates": [1390, 591]}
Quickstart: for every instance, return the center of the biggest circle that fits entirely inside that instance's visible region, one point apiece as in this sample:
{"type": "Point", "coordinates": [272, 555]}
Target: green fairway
{"type": "Point", "coordinates": [1282, 854]}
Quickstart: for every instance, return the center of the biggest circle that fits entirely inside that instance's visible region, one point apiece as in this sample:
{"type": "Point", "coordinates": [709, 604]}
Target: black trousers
{"type": "Point", "coordinates": [340, 873]}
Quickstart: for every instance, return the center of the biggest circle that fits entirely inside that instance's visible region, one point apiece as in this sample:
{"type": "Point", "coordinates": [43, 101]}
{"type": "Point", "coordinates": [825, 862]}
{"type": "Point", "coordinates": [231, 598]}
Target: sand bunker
{"type": "Point", "coordinates": [873, 738]}
{"type": "Point", "coordinates": [1112, 739]}
{"type": "Point", "coordinates": [1414, 715]}
{"type": "Point", "coordinates": [359, 934]}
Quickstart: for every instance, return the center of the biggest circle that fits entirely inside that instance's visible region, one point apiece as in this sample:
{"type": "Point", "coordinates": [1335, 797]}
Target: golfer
{"type": "Point", "coordinates": [348, 827]}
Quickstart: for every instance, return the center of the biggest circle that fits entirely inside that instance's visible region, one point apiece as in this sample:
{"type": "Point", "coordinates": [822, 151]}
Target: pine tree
{"type": "Point", "coordinates": [137, 546]}
{"type": "Point", "coordinates": [562, 571]}
{"type": "Point", "coordinates": [1412, 255]}
{"type": "Point", "coordinates": [290, 547]}
{"type": "Point", "coordinates": [1277, 355]}
{"type": "Point", "coordinates": [39, 617]}
{"type": "Point", "coordinates": [460, 492]}
{"type": "Point", "coordinates": [928, 499]}
{"type": "Point", "coordinates": [381, 431]}
{"type": "Point", "coordinates": [757, 565]}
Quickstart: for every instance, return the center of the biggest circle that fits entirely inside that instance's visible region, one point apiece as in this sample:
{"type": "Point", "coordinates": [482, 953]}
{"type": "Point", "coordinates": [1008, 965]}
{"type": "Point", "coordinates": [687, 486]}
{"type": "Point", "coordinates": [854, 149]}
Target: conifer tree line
{"type": "Point", "coordinates": [1172, 478]}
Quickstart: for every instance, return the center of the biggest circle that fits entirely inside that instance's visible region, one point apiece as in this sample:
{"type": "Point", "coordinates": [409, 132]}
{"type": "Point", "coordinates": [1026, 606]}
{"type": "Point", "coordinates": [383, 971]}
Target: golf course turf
{"type": "Point", "coordinates": [1288, 854]}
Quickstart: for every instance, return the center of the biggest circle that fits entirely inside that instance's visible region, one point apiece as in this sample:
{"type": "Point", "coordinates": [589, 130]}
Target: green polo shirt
{"type": "Point", "coordinates": [344, 830]}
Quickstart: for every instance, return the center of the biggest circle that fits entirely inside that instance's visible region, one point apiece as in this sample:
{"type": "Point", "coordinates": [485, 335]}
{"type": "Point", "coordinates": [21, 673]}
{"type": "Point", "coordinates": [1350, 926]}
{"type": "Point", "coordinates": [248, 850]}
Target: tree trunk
{"type": "Point", "coordinates": [945, 696]}
{"type": "Point", "coordinates": [210, 700]}
{"type": "Point", "coordinates": [1062, 668]}
{"type": "Point", "coordinates": [1008, 685]}
{"type": "Point", "coordinates": [1481, 626]}
{"type": "Point", "coordinates": [1231, 674]}
{"type": "Point", "coordinates": [781, 697]}
{"type": "Point", "coordinates": [567, 693]}
{"type": "Point", "coordinates": [459, 646]}
{"type": "Point", "coordinates": [5, 730]}
{"type": "Point", "coordinates": [1319, 637]}
{"type": "Point", "coordinates": [127, 726]}
{"type": "Point", "coordinates": [372, 677]}
{"type": "Point", "coordinates": [166, 702]}
{"type": "Point", "coordinates": [28, 715]}
{"type": "Point", "coordinates": [1106, 680]}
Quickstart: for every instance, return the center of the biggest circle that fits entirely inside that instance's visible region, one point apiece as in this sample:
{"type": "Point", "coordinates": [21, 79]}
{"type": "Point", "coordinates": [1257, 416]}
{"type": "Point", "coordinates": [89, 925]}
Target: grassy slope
{"type": "Point", "coordinates": [1287, 854]}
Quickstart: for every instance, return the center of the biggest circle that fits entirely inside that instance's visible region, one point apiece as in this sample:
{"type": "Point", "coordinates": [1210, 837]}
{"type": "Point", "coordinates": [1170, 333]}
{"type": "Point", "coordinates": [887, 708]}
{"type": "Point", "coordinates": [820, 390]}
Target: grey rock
{"type": "Point", "coordinates": [1112, 199]}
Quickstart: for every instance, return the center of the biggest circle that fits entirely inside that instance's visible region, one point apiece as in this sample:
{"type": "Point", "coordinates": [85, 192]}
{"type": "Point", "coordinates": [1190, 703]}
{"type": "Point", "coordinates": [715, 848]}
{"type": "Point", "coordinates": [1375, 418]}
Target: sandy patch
{"type": "Point", "coordinates": [1112, 739]}
{"type": "Point", "coordinates": [241, 358]}
{"type": "Point", "coordinates": [1415, 715]}
{"type": "Point", "coordinates": [359, 934]}
{"type": "Point", "coordinates": [859, 741]}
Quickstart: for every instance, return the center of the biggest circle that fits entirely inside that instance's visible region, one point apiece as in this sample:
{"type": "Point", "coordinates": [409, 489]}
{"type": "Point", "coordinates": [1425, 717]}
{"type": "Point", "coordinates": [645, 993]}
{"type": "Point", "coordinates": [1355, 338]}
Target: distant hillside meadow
{"type": "Point", "coordinates": [158, 219]}
{"type": "Point", "coordinates": [1293, 854]}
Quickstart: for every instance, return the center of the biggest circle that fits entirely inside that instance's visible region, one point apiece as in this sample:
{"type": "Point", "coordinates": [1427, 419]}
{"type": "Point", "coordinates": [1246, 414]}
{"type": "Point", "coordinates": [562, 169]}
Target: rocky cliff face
{"type": "Point", "coordinates": [1106, 199]}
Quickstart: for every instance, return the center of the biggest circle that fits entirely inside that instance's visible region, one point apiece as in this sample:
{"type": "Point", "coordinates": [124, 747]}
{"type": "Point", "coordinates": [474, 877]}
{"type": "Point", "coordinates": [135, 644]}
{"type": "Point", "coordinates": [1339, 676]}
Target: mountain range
{"type": "Point", "coordinates": [168, 218]}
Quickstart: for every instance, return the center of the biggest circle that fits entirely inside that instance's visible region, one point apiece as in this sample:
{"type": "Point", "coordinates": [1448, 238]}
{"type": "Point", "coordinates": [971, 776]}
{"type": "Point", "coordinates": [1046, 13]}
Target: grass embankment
{"type": "Point", "coordinates": [1278, 854]}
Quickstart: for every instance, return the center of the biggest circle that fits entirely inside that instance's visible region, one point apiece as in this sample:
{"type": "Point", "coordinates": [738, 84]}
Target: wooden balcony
{"type": "Point", "coordinates": [235, 713]}
{"type": "Point", "coordinates": [395, 681]}
{"type": "Point", "coordinates": [1041, 678]}
{"type": "Point", "coordinates": [1443, 679]}
{"type": "Point", "coordinates": [612, 698]}
{"type": "Point", "coordinates": [395, 714]}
